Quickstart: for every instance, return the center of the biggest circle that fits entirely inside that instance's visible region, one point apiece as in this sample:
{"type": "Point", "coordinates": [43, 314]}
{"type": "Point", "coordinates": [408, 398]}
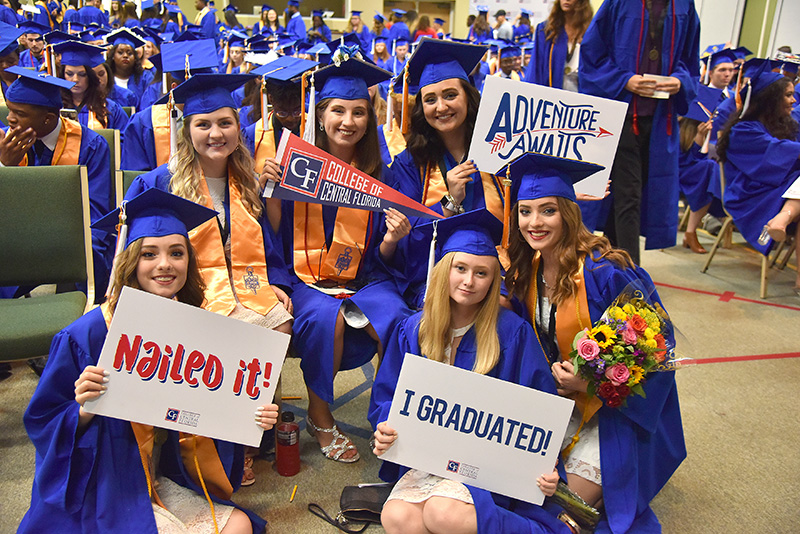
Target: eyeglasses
{"type": "Point", "coordinates": [286, 114]}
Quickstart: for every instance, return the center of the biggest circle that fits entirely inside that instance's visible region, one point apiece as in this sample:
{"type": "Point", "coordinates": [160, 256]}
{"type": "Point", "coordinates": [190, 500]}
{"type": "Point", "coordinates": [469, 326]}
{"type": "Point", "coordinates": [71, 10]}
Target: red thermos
{"type": "Point", "coordinates": [287, 451]}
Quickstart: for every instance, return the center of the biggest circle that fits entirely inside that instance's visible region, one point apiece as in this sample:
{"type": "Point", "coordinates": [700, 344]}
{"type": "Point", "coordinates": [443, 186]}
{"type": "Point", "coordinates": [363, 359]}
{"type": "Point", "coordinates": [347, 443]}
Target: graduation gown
{"type": "Point", "coordinates": [758, 170]}
{"type": "Point", "coordinates": [92, 481]}
{"type": "Point", "coordinates": [296, 28]}
{"type": "Point", "coordinates": [699, 177]}
{"type": "Point", "coordinates": [540, 65]}
{"type": "Point", "coordinates": [641, 445]}
{"type": "Point", "coordinates": [315, 312]}
{"type": "Point", "coordinates": [122, 96]}
{"type": "Point", "coordinates": [138, 86]}
{"type": "Point", "coordinates": [140, 152]}
{"type": "Point", "coordinates": [399, 30]}
{"type": "Point", "coordinates": [325, 31]}
{"type": "Point", "coordinates": [29, 61]}
{"type": "Point", "coordinates": [117, 118]}
{"type": "Point", "coordinates": [607, 63]}
{"type": "Point", "coordinates": [89, 14]}
{"type": "Point", "coordinates": [521, 362]}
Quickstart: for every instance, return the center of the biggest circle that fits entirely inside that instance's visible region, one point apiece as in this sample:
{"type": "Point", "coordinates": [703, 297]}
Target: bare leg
{"type": "Point", "coordinates": [790, 212]}
{"type": "Point", "coordinates": [238, 523]}
{"type": "Point", "coordinates": [400, 517]}
{"type": "Point", "coordinates": [443, 515]}
{"type": "Point", "coordinates": [589, 491]}
{"type": "Point", "coordinates": [690, 236]}
{"type": "Point", "coordinates": [695, 217]}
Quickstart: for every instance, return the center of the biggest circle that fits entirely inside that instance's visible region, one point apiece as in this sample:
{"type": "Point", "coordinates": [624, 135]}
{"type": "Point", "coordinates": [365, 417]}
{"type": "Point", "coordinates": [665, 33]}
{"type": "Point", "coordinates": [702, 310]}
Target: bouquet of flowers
{"type": "Point", "coordinates": [633, 338]}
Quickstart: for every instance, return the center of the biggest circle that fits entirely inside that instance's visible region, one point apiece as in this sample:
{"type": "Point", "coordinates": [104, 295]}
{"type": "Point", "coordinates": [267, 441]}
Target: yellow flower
{"type": "Point", "coordinates": [637, 373]}
{"type": "Point", "coordinates": [617, 314]}
{"type": "Point", "coordinates": [649, 334]}
{"type": "Point", "coordinates": [651, 343]}
{"type": "Point", "coordinates": [604, 335]}
{"type": "Point", "coordinates": [652, 320]}
{"type": "Point", "coordinates": [629, 309]}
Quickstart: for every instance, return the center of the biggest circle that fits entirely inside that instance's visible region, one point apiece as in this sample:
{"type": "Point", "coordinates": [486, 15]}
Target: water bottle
{"type": "Point", "coordinates": [287, 450]}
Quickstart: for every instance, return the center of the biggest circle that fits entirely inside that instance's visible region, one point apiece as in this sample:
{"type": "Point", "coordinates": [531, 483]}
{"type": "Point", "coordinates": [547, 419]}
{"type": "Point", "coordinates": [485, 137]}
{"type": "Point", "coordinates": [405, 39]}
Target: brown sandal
{"type": "Point", "coordinates": [248, 476]}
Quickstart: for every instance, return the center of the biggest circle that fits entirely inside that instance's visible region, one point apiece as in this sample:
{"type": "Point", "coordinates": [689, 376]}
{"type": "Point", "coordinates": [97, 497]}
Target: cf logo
{"type": "Point", "coordinates": [300, 168]}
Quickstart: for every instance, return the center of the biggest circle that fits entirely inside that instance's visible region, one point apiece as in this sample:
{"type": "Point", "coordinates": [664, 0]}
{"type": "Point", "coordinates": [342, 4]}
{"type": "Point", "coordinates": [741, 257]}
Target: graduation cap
{"type": "Point", "coordinates": [9, 36]}
{"type": "Point", "coordinates": [741, 52]}
{"type": "Point", "coordinates": [482, 9]}
{"type": "Point", "coordinates": [154, 213]}
{"type": "Point", "coordinates": [206, 93]}
{"type": "Point", "coordinates": [319, 49]}
{"type": "Point", "coordinates": [476, 232]}
{"type": "Point", "coordinates": [350, 80]}
{"type": "Point", "coordinates": [716, 59]}
{"type": "Point", "coordinates": [174, 8]}
{"type": "Point", "coordinates": [147, 4]}
{"type": "Point", "coordinates": [265, 7]}
{"type": "Point", "coordinates": [231, 7]}
{"type": "Point", "coordinates": [536, 175]}
{"type": "Point", "coordinates": [285, 69]}
{"type": "Point", "coordinates": [293, 3]}
{"type": "Point", "coordinates": [202, 54]}
{"type": "Point", "coordinates": [436, 60]}
{"type": "Point", "coordinates": [318, 13]}
{"type": "Point", "coordinates": [54, 38]}
{"type": "Point", "coordinates": [302, 47]}
{"type": "Point", "coordinates": [711, 49]}
{"type": "Point", "coordinates": [76, 54]}
{"type": "Point", "coordinates": [400, 41]}
{"type": "Point", "coordinates": [399, 12]}
{"type": "Point", "coordinates": [439, 21]}
{"type": "Point", "coordinates": [29, 26]}
{"type": "Point", "coordinates": [702, 108]}
{"type": "Point", "coordinates": [236, 38]}
{"type": "Point", "coordinates": [525, 12]}
{"type": "Point", "coordinates": [151, 34]}
{"type": "Point", "coordinates": [349, 40]}
{"type": "Point", "coordinates": [509, 50]}
{"type": "Point", "coordinates": [155, 59]}
{"type": "Point", "coordinates": [166, 36]}
{"type": "Point", "coordinates": [36, 88]}
{"type": "Point", "coordinates": [752, 65]}
{"type": "Point", "coordinates": [186, 36]}
{"type": "Point", "coordinates": [355, 13]}
{"type": "Point", "coordinates": [124, 36]}
{"type": "Point", "coordinates": [379, 16]}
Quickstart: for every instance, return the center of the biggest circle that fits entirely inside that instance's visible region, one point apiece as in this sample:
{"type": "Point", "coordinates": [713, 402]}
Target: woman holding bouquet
{"type": "Point", "coordinates": [562, 278]}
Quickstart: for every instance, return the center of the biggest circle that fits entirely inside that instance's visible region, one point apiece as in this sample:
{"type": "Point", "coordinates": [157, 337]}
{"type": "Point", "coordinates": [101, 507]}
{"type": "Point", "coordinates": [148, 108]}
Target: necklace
{"type": "Point", "coordinates": [546, 285]}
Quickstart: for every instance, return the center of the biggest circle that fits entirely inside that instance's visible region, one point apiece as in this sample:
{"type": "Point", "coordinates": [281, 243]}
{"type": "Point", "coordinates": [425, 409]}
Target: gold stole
{"type": "Point", "coordinates": [159, 116]}
{"type": "Point", "coordinates": [435, 188]}
{"type": "Point", "coordinates": [2, 97]}
{"type": "Point", "coordinates": [43, 5]}
{"type": "Point", "coordinates": [572, 316]}
{"type": "Point", "coordinates": [199, 454]}
{"type": "Point", "coordinates": [312, 262]}
{"type": "Point", "coordinates": [93, 123]}
{"type": "Point", "coordinates": [248, 259]}
{"type": "Point", "coordinates": [264, 142]}
{"type": "Point", "coordinates": [147, 64]}
{"type": "Point", "coordinates": [395, 141]}
{"type": "Point", "coordinates": [68, 146]}
{"type": "Point", "coordinates": [198, 19]}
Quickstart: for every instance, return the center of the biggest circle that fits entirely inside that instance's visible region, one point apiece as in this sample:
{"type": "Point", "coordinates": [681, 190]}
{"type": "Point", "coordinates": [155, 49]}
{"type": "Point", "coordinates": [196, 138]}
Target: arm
{"type": "Point", "coordinates": [599, 72]}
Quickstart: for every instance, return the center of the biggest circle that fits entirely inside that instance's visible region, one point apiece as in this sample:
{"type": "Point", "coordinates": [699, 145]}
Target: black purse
{"type": "Point", "coordinates": [357, 504]}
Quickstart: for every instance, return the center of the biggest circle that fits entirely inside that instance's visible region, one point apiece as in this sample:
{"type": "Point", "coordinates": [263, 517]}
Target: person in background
{"type": "Point", "coordinates": [396, 64]}
{"type": "Point", "coordinates": [295, 27]}
{"type": "Point", "coordinates": [719, 69]}
{"type": "Point", "coordinates": [114, 92]}
{"type": "Point", "coordinates": [399, 30]}
{"type": "Point", "coordinates": [125, 63]}
{"type": "Point", "coordinates": [319, 32]}
{"type": "Point", "coordinates": [33, 56]}
{"type": "Point", "coordinates": [381, 55]}
{"type": "Point", "coordinates": [269, 22]}
{"type": "Point", "coordinates": [206, 19]}
{"type": "Point", "coordinates": [9, 56]}
{"type": "Point", "coordinates": [438, 27]}
{"type": "Point", "coordinates": [503, 30]}
{"type": "Point", "coordinates": [522, 30]}
{"type": "Point", "coordinates": [129, 19]}
{"type": "Point", "coordinates": [115, 14]}
{"type": "Point", "coordinates": [424, 29]}
{"type": "Point", "coordinates": [356, 25]}
{"type": "Point", "coordinates": [379, 26]}
{"type": "Point", "coordinates": [93, 12]}
{"type": "Point", "coordinates": [510, 62]}
{"type": "Point", "coordinates": [480, 30]}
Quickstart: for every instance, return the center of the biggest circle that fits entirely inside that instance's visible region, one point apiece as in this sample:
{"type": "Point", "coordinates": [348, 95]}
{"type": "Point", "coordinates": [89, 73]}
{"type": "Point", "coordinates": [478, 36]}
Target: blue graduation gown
{"type": "Point", "coordinates": [138, 86]}
{"type": "Point", "coordinates": [315, 312]}
{"type": "Point", "coordinates": [93, 481]}
{"type": "Point", "coordinates": [521, 362]}
{"type": "Point", "coordinates": [399, 30]}
{"type": "Point", "coordinates": [641, 445]}
{"type": "Point", "coordinates": [608, 62]}
{"type": "Point", "coordinates": [117, 118]}
{"type": "Point", "coordinates": [8, 15]}
{"type": "Point", "coordinates": [122, 96]}
{"type": "Point", "coordinates": [325, 31]}
{"type": "Point", "coordinates": [699, 177]}
{"type": "Point", "coordinates": [89, 14]}
{"type": "Point", "coordinates": [296, 28]}
{"type": "Point", "coordinates": [521, 31]}
{"type": "Point", "coordinates": [29, 61]}
{"type": "Point", "coordinates": [538, 70]}
{"type": "Point", "coordinates": [139, 153]}
{"type": "Point", "coordinates": [208, 25]}
{"type": "Point", "coordinates": [150, 95]}
{"type": "Point", "coordinates": [758, 170]}
{"type": "Point", "coordinates": [257, 28]}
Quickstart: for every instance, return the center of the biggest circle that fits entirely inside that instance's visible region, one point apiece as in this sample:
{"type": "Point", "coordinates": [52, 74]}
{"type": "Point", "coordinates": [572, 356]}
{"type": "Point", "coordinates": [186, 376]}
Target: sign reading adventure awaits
{"type": "Point", "coordinates": [488, 433]}
{"type": "Point", "coordinates": [312, 175]}
{"type": "Point", "coordinates": [183, 368]}
{"type": "Point", "coordinates": [517, 117]}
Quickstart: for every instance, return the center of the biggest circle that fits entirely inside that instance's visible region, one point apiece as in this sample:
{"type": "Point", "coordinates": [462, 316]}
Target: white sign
{"type": "Point", "coordinates": [476, 429]}
{"type": "Point", "coordinates": [183, 368]}
{"type": "Point", "coordinates": [517, 117]}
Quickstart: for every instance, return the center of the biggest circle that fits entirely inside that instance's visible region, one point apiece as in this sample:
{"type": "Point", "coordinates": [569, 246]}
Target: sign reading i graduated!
{"type": "Point", "coordinates": [517, 117]}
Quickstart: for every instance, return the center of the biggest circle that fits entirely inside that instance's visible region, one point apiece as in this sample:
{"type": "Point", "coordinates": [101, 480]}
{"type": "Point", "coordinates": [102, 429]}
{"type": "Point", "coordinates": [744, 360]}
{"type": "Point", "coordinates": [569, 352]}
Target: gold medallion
{"type": "Point", "coordinates": [653, 54]}
{"type": "Point", "coordinates": [567, 70]}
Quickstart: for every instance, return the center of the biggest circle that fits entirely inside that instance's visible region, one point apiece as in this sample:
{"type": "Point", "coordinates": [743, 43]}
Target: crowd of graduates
{"type": "Point", "coordinates": [201, 108]}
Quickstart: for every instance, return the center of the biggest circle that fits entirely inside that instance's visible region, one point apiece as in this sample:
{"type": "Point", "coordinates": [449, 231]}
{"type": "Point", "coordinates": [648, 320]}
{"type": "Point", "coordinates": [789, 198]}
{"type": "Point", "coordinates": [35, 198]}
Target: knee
{"type": "Point", "coordinates": [395, 517]}
{"type": "Point", "coordinates": [443, 514]}
{"type": "Point", "coordinates": [238, 523]}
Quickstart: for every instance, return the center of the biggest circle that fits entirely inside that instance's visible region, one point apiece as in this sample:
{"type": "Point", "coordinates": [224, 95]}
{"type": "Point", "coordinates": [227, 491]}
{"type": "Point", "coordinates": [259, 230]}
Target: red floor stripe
{"type": "Point", "coordinates": [727, 296]}
{"type": "Point", "coordinates": [727, 359]}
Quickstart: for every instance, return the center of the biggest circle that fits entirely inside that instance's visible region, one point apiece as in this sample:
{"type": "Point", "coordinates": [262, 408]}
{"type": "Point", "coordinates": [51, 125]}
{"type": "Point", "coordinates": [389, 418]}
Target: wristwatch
{"type": "Point", "coordinates": [449, 203]}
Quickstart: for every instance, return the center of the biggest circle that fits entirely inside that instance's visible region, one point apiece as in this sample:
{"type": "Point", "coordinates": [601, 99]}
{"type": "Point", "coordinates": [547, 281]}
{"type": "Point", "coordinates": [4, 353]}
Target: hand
{"type": "Point", "coordinates": [641, 86]}
{"type": "Point", "coordinates": [671, 85]}
{"type": "Point", "coordinates": [548, 483]}
{"type": "Point", "coordinates": [702, 130]}
{"type": "Point", "coordinates": [271, 171]}
{"type": "Point", "coordinates": [284, 298]}
{"type": "Point", "coordinates": [566, 380]}
{"type": "Point", "coordinates": [584, 196]}
{"type": "Point", "coordinates": [15, 145]}
{"type": "Point", "coordinates": [89, 385]}
{"type": "Point", "coordinates": [384, 438]}
{"type": "Point", "coordinates": [457, 179]}
{"type": "Point", "coordinates": [267, 416]}
{"type": "Point", "coordinates": [397, 226]}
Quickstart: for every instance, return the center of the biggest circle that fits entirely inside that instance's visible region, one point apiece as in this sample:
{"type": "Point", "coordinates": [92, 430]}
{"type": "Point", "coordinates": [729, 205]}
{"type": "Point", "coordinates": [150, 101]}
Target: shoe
{"type": "Point", "coordinates": [711, 224]}
{"type": "Point", "coordinates": [337, 447]}
{"type": "Point", "coordinates": [690, 241]}
{"type": "Point", "coordinates": [778, 233]}
{"type": "Point", "coordinates": [248, 476]}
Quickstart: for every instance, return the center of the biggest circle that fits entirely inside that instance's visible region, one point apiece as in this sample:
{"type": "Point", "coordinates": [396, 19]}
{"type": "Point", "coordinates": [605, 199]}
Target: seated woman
{"type": "Point", "coordinates": [563, 278]}
{"type": "Point", "coordinates": [761, 154]}
{"type": "Point", "coordinates": [125, 63]}
{"type": "Point", "coordinates": [101, 474]}
{"type": "Point", "coordinates": [779, 226]}
{"type": "Point", "coordinates": [114, 92]}
{"type": "Point", "coordinates": [462, 324]}
{"type": "Point", "coordinates": [341, 290]}
{"type": "Point", "coordinates": [95, 111]}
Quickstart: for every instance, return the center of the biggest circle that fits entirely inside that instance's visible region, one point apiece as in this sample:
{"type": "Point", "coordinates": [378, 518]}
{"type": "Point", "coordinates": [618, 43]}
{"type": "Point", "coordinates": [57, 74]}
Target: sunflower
{"type": "Point", "coordinates": [604, 335]}
{"type": "Point", "coordinates": [637, 373]}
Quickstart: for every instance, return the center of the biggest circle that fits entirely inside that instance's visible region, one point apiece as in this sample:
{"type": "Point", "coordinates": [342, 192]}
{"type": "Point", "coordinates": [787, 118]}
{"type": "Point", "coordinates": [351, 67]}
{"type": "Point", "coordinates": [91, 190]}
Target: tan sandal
{"type": "Point", "coordinates": [339, 445]}
{"type": "Point", "coordinates": [248, 476]}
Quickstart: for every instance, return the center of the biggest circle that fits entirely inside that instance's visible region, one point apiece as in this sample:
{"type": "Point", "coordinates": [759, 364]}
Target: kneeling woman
{"type": "Point", "coordinates": [100, 474]}
{"type": "Point", "coordinates": [461, 324]}
{"type": "Point", "coordinates": [563, 278]}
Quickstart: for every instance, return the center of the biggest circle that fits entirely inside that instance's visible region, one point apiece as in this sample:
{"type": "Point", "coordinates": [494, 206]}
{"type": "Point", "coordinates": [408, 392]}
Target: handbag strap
{"type": "Point", "coordinates": [318, 511]}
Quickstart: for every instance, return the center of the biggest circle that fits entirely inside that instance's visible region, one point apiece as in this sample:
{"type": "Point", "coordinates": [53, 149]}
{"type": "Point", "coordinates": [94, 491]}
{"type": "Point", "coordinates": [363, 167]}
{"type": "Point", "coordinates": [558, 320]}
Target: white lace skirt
{"type": "Point", "coordinates": [418, 486]}
{"type": "Point", "coordinates": [584, 459]}
{"type": "Point", "coordinates": [186, 512]}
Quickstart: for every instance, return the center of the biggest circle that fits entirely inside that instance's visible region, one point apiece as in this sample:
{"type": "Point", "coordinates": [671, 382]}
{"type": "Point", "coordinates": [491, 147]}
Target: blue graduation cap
{"type": "Point", "coordinates": [723, 56]}
{"type": "Point", "coordinates": [302, 47]}
{"type": "Point", "coordinates": [231, 7]}
{"type": "Point", "coordinates": [439, 21]}
{"type": "Point", "coordinates": [702, 108]}
{"type": "Point", "coordinates": [482, 9]}
{"type": "Point", "coordinates": [293, 3]}
{"type": "Point", "coordinates": [55, 37]}
{"type": "Point", "coordinates": [355, 13]}
{"type": "Point", "coordinates": [236, 38]}
{"type": "Point", "coordinates": [151, 34]}
{"type": "Point", "coordinates": [399, 12]}
{"type": "Point", "coordinates": [510, 50]}
{"type": "Point", "coordinates": [202, 54]}
{"type": "Point", "coordinates": [75, 26]}
{"type": "Point", "coordinates": [537, 175]}
{"type": "Point", "coordinates": [206, 93]}
{"type": "Point", "coordinates": [400, 41]}
{"type": "Point", "coordinates": [436, 60]}
{"type": "Point", "coordinates": [319, 48]}
{"type": "Point", "coordinates": [147, 4]}
{"type": "Point", "coordinates": [397, 86]}
{"type": "Point", "coordinates": [318, 13]}
{"type": "Point", "coordinates": [36, 88]}
{"type": "Point", "coordinates": [9, 36]}
{"type": "Point", "coordinates": [379, 16]}
{"type": "Point", "coordinates": [174, 8]}
{"type": "Point", "coordinates": [525, 12]}
{"type": "Point", "coordinates": [752, 65]}
{"type": "Point", "coordinates": [711, 49]}
{"type": "Point", "coordinates": [762, 78]}
{"type": "Point", "coordinates": [741, 52]}
{"type": "Point", "coordinates": [265, 7]}
{"type": "Point", "coordinates": [155, 59]}
{"type": "Point", "coordinates": [476, 232]}
{"type": "Point", "coordinates": [284, 69]}
{"type": "Point", "coordinates": [166, 37]}
{"type": "Point", "coordinates": [156, 213]}
{"type": "Point", "coordinates": [349, 40]}
{"type": "Point", "coordinates": [186, 36]}
{"type": "Point", "coordinates": [350, 80]}
{"type": "Point", "coordinates": [124, 36]}
{"type": "Point", "coordinates": [76, 54]}
{"type": "Point", "coordinates": [381, 38]}
{"type": "Point", "coordinates": [29, 26]}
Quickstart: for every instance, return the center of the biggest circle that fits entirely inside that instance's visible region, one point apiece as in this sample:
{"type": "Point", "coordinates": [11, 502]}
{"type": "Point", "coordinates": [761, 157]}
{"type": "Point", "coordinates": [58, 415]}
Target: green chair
{"type": "Point", "coordinates": [130, 110]}
{"type": "Point", "coordinates": [113, 140]}
{"type": "Point", "coordinates": [4, 114]}
{"type": "Point", "coordinates": [45, 239]}
{"type": "Point", "coordinates": [124, 180]}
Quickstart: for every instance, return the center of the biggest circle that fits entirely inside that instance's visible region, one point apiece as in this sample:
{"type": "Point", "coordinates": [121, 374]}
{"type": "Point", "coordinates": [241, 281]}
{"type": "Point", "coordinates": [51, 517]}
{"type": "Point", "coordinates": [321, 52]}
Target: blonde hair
{"type": "Point", "coordinates": [187, 173]}
{"type": "Point", "coordinates": [434, 328]}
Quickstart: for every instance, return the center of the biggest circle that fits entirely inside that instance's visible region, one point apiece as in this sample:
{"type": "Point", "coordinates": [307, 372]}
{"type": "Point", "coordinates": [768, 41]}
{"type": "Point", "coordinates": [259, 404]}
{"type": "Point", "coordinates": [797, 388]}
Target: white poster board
{"type": "Point", "coordinates": [516, 117]}
{"type": "Point", "coordinates": [476, 429]}
{"type": "Point", "coordinates": [183, 368]}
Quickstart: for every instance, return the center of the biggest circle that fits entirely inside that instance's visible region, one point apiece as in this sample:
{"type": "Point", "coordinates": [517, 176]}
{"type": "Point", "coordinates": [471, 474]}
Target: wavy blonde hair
{"type": "Point", "coordinates": [187, 173]}
{"type": "Point", "coordinates": [434, 328]}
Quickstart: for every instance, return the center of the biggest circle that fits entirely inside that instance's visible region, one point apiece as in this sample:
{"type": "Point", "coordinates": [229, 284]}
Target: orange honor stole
{"type": "Point", "coordinates": [159, 116]}
{"type": "Point", "coordinates": [68, 146]}
{"type": "Point", "coordinates": [435, 187]}
{"type": "Point", "coordinates": [264, 142]}
{"type": "Point", "coordinates": [248, 259]}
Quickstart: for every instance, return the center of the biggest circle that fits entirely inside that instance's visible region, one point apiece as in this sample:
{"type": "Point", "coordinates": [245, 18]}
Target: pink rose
{"type": "Point", "coordinates": [618, 374]}
{"type": "Point", "coordinates": [629, 335]}
{"type": "Point", "coordinates": [588, 349]}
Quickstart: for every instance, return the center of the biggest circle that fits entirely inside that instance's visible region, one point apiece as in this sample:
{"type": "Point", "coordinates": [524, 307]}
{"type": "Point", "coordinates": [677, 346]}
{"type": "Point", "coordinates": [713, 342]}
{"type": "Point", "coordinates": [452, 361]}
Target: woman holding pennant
{"type": "Point", "coordinates": [434, 169]}
{"type": "Point", "coordinates": [339, 255]}
{"type": "Point", "coordinates": [101, 474]}
{"type": "Point", "coordinates": [462, 324]}
{"type": "Point", "coordinates": [563, 279]}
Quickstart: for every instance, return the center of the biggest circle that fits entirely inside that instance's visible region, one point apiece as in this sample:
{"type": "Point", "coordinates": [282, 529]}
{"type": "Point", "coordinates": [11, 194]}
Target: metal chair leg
{"type": "Point", "coordinates": [725, 225]}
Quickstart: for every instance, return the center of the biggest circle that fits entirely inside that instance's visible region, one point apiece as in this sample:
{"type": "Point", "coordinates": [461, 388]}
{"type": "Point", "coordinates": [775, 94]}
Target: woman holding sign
{"type": "Point", "coordinates": [341, 256]}
{"type": "Point", "coordinates": [100, 474]}
{"type": "Point", "coordinates": [462, 324]}
{"type": "Point", "coordinates": [563, 279]}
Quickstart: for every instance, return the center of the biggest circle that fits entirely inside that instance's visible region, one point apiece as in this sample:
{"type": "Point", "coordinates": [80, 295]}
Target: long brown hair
{"type": "Point", "coordinates": [94, 98]}
{"type": "Point", "coordinates": [368, 152]}
{"type": "Point", "coordinates": [557, 19]}
{"type": "Point", "coordinates": [192, 292]}
{"type": "Point", "coordinates": [688, 132]}
{"type": "Point", "coordinates": [576, 243]}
